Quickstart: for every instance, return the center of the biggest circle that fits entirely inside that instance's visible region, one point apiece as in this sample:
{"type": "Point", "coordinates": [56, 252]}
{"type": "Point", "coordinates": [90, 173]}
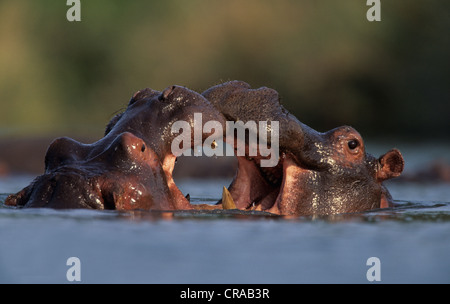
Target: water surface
{"type": "Point", "coordinates": [412, 242]}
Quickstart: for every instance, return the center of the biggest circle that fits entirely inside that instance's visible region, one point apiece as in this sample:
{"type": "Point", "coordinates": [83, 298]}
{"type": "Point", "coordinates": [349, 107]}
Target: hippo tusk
{"type": "Point", "coordinates": [227, 200]}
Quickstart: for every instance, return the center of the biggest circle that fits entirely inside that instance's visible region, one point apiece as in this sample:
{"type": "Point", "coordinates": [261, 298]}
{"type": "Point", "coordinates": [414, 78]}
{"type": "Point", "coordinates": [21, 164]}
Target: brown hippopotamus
{"type": "Point", "coordinates": [129, 168]}
{"type": "Point", "coordinates": [317, 173]}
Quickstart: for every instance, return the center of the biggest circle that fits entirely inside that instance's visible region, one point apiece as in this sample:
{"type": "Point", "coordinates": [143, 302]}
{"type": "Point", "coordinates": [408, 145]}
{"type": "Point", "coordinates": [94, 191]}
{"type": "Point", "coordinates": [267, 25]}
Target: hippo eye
{"type": "Point", "coordinates": [143, 148]}
{"type": "Point", "coordinates": [353, 144]}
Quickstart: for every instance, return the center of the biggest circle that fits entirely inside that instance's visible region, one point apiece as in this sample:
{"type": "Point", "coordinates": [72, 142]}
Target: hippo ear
{"type": "Point", "coordinates": [391, 165]}
{"type": "Point", "coordinates": [141, 94]}
{"type": "Point", "coordinates": [165, 94]}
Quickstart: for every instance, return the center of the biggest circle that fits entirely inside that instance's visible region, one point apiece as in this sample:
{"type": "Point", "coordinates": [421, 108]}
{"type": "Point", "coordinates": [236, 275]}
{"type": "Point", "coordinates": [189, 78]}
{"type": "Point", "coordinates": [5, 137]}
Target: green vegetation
{"type": "Point", "coordinates": [330, 65]}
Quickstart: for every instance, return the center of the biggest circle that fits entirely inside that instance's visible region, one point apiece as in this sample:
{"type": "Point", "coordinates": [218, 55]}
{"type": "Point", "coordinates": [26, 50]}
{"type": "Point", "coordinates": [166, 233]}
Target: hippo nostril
{"type": "Point", "coordinates": [143, 148]}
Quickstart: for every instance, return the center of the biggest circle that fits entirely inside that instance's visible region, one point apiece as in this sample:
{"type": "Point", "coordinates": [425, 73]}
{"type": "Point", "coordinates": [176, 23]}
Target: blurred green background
{"type": "Point", "coordinates": [330, 65]}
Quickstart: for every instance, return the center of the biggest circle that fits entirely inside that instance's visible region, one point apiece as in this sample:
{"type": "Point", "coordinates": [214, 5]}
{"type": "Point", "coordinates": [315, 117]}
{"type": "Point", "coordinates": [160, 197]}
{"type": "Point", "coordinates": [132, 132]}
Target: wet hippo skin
{"type": "Point", "coordinates": [317, 173]}
{"type": "Point", "coordinates": [129, 168]}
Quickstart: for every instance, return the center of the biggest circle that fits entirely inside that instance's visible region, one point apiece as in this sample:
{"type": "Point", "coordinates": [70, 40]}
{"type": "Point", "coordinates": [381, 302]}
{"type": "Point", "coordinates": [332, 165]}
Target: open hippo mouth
{"type": "Point", "coordinates": [297, 170]}
{"type": "Point", "coordinates": [315, 174]}
{"type": "Point", "coordinates": [298, 187]}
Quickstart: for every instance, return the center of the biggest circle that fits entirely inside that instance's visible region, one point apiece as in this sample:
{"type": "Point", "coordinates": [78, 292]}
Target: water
{"type": "Point", "coordinates": [412, 242]}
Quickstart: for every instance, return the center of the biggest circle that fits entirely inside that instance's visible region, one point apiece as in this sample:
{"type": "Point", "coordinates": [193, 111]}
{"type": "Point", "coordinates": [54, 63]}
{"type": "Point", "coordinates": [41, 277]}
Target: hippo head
{"type": "Point", "coordinates": [129, 168]}
{"type": "Point", "coordinates": [334, 174]}
{"type": "Point", "coordinates": [317, 173]}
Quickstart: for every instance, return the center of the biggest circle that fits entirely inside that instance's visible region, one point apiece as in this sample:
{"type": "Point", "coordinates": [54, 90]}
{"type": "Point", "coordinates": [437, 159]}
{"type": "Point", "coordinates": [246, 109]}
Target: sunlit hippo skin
{"type": "Point", "coordinates": [317, 173]}
{"type": "Point", "coordinates": [129, 168]}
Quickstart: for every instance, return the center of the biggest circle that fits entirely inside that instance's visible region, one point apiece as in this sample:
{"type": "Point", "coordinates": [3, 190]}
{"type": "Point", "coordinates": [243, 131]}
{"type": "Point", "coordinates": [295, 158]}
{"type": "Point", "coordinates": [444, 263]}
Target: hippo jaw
{"type": "Point", "coordinates": [54, 190]}
{"type": "Point", "coordinates": [126, 174]}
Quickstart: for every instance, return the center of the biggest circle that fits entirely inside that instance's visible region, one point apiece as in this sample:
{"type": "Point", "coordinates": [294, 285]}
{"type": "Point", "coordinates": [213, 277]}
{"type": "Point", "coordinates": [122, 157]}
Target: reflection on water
{"type": "Point", "coordinates": [405, 211]}
{"type": "Point", "coordinates": [433, 205]}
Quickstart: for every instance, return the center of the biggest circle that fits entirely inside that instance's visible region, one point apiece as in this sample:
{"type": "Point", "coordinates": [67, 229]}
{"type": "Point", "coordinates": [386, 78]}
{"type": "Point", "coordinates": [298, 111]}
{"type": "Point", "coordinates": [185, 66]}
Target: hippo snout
{"type": "Point", "coordinates": [125, 152]}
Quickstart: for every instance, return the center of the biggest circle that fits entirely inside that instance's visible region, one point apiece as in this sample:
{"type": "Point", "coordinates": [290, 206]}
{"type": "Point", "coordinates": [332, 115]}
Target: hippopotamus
{"type": "Point", "coordinates": [129, 168]}
{"type": "Point", "coordinates": [317, 173]}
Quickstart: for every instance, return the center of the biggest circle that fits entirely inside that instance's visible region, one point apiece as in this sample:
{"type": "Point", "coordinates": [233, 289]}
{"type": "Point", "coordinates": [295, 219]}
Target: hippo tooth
{"type": "Point", "coordinates": [214, 145]}
{"type": "Point", "coordinates": [227, 200]}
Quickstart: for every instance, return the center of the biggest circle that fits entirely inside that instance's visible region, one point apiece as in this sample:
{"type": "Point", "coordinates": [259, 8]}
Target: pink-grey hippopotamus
{"type": "Point", "coordinates": [131, 166]}
{"type": "Point", "coordinates": [317, 173]}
